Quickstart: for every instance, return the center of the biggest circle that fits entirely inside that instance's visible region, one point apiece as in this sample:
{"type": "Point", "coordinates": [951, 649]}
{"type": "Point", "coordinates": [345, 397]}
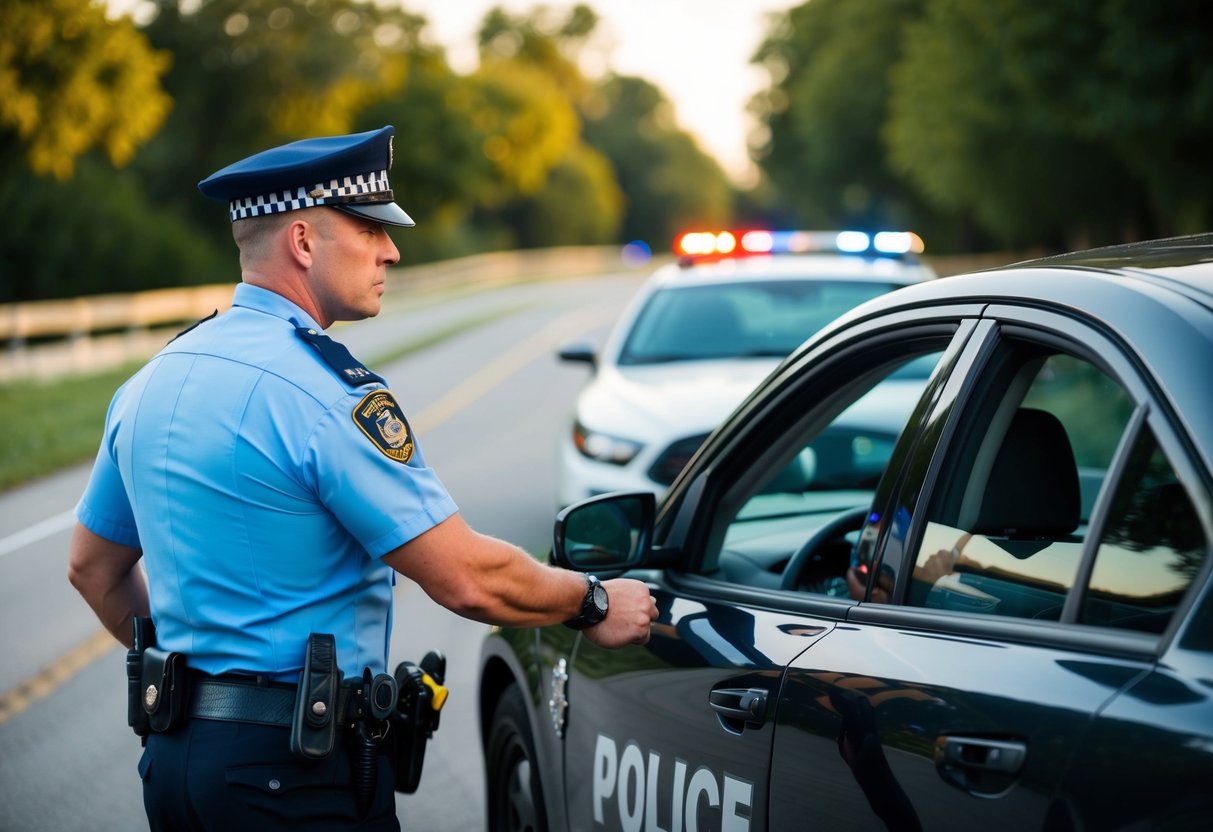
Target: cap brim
{"type": "Point", "coordinates": [388, 213]}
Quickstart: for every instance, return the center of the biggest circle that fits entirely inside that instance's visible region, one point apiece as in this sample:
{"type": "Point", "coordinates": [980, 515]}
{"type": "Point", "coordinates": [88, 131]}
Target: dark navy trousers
{"type": "Point", "coordinates": [212, 776]}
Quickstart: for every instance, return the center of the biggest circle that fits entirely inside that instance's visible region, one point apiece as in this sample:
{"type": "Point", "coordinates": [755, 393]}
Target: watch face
{"type": "Point", "coordinates": [600, 598]}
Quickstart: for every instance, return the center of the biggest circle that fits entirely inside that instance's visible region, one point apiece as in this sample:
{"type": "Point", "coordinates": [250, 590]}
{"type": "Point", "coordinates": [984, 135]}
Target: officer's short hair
{"type": "Point", "coordinates": [254, 235]}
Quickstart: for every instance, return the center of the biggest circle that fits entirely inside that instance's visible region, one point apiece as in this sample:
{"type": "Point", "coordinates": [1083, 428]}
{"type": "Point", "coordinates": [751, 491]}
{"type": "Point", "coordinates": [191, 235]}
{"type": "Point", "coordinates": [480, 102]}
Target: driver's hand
{"type": "Point", "coordinates": [857, 588]}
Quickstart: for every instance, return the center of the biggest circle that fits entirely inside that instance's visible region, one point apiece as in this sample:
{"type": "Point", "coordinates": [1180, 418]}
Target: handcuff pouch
{"type": "Point", "coordinates": [163, 686]}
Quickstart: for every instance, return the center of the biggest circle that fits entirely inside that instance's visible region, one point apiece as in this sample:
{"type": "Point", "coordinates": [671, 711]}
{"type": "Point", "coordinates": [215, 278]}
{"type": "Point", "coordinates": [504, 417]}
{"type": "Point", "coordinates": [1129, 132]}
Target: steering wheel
{"type": "Point", "coordinates": [848, 521]}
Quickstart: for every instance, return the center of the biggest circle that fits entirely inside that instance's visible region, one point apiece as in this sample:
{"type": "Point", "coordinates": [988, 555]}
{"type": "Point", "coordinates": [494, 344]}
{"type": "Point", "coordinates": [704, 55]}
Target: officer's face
{"type": "Point", "coordinates": [349, 266]}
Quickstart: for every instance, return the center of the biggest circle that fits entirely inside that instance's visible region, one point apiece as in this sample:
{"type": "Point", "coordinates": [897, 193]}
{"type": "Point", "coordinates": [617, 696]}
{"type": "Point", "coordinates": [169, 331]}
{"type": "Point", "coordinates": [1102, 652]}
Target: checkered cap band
{"type": "Point", "coordinates": [322, 193]}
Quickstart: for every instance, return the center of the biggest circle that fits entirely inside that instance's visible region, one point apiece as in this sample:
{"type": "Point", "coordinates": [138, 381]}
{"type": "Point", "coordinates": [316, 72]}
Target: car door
{"type": "Point", "coordinates": [963, 701]}
{"type": "Point", "coordinates": [1147, 757]}
{"type": "Point", "coordinates": [677, 735]}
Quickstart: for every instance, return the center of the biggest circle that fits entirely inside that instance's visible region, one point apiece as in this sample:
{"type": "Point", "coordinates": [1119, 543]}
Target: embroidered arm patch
{"type": "Point", "coordinates": [383, 422]}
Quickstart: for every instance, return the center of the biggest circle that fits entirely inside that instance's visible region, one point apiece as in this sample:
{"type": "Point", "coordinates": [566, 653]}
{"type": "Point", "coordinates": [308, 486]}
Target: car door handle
{"type": "Point", "coordinates": [739, 708]}
{"type": "Point", "coordinates": [979, 765]}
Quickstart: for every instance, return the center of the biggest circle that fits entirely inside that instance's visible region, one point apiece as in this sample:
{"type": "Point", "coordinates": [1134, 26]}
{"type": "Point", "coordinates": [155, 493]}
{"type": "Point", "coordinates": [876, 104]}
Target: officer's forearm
{"type": "Point", "coordinates": [486, 579]}
{"type": "Point", "coordinates": [108, 577]}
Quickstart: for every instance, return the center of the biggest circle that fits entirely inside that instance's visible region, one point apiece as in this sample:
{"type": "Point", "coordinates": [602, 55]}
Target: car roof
{"type": "Point", "coordinates": [817, 266]}
{"type": "Point", "coordinates": [1181, 264]}
{"type": "Point", "coordinates": [1178, 266]}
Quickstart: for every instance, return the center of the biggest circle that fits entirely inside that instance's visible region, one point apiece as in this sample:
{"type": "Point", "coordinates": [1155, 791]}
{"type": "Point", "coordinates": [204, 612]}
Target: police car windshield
{"type": "Point", "coordinates": [739, 320]}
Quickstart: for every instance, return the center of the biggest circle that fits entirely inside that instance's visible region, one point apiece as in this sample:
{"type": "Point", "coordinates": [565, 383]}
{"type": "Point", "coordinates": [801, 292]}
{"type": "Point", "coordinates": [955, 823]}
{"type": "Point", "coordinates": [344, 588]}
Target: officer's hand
{"type": "Point", "coordinates": [630, 612]}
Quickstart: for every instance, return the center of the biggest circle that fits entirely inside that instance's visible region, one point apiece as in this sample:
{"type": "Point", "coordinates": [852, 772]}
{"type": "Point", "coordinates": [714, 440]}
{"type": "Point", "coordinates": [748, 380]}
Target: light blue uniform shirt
{"type": "Point", "coordinates": [263, 490]}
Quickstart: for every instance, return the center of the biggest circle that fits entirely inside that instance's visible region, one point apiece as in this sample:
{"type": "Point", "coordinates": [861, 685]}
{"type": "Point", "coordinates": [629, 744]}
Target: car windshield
{"type": "Point", "coordinates": [736, 320]}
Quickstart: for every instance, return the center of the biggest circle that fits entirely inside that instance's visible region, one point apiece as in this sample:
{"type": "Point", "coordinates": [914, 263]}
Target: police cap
{"type": "Point", "coordinates": [348, 173]}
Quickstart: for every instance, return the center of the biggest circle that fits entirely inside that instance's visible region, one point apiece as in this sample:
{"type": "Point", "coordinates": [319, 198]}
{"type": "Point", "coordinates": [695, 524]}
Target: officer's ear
{"type": "Point", "coordinates": [301, 237]}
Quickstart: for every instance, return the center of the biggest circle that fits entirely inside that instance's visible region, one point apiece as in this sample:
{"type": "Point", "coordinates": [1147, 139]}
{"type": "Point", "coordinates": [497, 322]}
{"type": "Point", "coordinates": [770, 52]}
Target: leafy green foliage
{"type": "Point", "coordinates": [1051, 123]}
{"type": "Point", "coordinates": [1034, 122]}
{"type": "Point", "coordinates": [668, 182]}
{"type": "Point", "coordinates": [70, 80]}
{"type": "Point", "coordinates": [825, 117]}
{"type": "Point", "coordinates": [97, 233]}
{"type": "Point", "coordinates": [987, 136]}
{"type": "Point", "coordinates": [579, 205]}
{"type": "Point", "coordinates": [251, 74]}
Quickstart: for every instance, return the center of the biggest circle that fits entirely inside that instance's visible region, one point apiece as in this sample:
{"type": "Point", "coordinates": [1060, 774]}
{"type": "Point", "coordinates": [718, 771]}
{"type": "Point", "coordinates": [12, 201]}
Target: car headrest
{"type": "Point", "coordinates": [1033, 487]}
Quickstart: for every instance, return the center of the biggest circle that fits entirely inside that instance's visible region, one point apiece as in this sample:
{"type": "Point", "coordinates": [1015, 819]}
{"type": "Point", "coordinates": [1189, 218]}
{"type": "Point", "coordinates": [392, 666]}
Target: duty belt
{"type": "Point", "coordinates": [228, 699]}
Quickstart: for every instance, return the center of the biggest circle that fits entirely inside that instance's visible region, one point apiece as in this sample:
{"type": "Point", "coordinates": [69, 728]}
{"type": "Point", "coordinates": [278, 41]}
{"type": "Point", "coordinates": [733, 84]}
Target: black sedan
{"type": "Point", "coordinates": [998, 619]}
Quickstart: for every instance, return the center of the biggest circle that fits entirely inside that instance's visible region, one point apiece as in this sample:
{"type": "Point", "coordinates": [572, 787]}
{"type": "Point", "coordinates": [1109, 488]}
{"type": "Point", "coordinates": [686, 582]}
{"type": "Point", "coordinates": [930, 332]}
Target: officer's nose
{"type": "Point", "coordinates": [391, 255]}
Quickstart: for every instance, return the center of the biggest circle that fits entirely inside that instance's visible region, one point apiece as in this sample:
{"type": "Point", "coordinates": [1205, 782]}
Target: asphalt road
{"type": "Point", "coordinates": [487, 407]}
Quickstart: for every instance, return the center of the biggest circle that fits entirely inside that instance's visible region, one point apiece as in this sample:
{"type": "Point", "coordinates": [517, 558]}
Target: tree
{"type": "Point", "coordinates": [71, 80]}
{"type": "Point", "coordinates": [439, 167]}
{"type": "Point", "coordinates": [580, 204]}
{"type": "Point", "coordinates": [94, 234]}
{"type": "Point", "coordinates": [251, 74]}
{"type": "Point", "coordinates": [543, 37]}
{"type": "Point", "coordinates": [551, 188]}
{"type": "Point", "coordinates": [1060, 121]}
{"type": "Point", "coordinates": [826, 108]}
{"type": "Point", "coordinates": [967, 127]}
{"type": "Point", "coordinates": [669, 183]}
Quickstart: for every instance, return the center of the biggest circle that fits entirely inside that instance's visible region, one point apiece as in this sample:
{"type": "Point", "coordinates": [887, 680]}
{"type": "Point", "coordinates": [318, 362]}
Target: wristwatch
{"type": "Point", "coordinates": [593, 606]}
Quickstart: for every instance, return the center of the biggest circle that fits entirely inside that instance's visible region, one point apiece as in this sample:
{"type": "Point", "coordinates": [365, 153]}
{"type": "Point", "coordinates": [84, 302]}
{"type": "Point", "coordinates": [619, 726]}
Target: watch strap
{"type": "Point", "coordinates": [590, 614]}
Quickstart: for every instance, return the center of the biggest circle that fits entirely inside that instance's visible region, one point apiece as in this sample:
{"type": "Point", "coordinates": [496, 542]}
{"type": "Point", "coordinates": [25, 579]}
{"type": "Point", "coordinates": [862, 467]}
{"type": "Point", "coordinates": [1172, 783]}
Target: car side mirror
{"type": "Point", "coordinates": [610, 532]}
{"type": "Point", "coordinates": [579, 351]}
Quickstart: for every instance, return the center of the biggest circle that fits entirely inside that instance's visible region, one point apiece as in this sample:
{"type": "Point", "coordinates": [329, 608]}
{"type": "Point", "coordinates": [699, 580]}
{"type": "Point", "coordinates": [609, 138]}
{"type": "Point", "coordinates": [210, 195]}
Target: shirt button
{"type": "Point", "coordinates": [275, 785]}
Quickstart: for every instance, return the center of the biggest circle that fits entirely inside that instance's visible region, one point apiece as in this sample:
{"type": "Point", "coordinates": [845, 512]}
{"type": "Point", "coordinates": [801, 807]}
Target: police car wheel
{"type": "Point", "coordinates": [515, 797]}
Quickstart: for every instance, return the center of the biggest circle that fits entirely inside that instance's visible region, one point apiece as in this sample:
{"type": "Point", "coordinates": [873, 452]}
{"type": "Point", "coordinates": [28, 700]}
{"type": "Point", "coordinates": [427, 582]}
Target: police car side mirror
{"type": "Point", "coordinates": [610, 532]}
{"type": "Point", "coordinates": [579, 351]}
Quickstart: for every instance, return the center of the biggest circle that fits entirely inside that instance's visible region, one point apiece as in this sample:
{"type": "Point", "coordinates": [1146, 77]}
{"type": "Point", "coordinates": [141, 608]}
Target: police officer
{"type": "Point", "coordinates": [271, 486]}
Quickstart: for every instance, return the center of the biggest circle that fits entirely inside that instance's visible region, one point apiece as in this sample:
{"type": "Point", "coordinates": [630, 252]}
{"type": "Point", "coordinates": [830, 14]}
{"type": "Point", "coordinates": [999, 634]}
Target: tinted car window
{"type": "Point", "coordinates": [1151, 549]}
{"type": "Point", "coordinates": [830, 471]}
{"type": "Point", "coordinates": [1006, 531]}
{"type": "Point", "coordinates": [1004, 535]}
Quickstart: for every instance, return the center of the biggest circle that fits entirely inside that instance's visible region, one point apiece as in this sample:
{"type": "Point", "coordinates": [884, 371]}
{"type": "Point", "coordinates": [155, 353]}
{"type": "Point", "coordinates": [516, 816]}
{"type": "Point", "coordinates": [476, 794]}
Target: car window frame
{"type": "Point", "coordinates": [1086, 340]}
{"type": "Point", "coordinates": [684, 519]}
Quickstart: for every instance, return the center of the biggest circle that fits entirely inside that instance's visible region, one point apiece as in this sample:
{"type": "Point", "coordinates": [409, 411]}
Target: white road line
{"type": "Point", "coordinates": [37, 532]}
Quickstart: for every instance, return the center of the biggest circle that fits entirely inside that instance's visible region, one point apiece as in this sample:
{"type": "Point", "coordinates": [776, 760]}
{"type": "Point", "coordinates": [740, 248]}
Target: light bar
{"type": "Point", "coordinates": [701, 244]}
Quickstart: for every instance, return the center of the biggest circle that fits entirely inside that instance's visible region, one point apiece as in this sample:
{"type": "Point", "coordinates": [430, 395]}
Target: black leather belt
{"type": "Point", "coordinates": [235, 700]}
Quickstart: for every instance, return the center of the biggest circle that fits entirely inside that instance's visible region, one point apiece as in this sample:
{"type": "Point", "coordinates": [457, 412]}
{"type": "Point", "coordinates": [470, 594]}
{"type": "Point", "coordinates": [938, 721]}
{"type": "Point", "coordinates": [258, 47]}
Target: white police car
{"type": "Point", "coordinates": [699, 336]}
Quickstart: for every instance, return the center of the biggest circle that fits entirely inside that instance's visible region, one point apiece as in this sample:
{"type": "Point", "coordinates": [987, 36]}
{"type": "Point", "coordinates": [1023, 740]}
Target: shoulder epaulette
{"type": "Point", "coordinates": [352, 371]}
{"type": "Point", "coordinates": [193, 326]}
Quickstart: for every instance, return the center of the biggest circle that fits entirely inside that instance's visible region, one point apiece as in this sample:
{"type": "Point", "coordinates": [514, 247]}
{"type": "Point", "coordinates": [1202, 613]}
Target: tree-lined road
{"type": "Point", "coordinates": [487, 407]}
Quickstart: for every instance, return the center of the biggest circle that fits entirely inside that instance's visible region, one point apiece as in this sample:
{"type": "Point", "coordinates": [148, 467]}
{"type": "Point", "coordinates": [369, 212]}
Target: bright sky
{"type": "Point", "coordinates": [697, 51]}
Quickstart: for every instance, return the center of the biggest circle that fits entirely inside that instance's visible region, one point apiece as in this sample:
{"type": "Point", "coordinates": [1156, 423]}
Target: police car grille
{"type": "Point", "coordinates": [674, 458]}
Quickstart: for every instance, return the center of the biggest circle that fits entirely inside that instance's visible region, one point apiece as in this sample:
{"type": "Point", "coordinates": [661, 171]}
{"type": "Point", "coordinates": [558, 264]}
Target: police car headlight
{"type": "Point", "coordinates": [602, 447]}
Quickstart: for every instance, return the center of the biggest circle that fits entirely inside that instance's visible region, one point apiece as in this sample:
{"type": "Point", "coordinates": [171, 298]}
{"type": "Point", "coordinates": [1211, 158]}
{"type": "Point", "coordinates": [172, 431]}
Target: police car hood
{"type": "Point", "coordinates": [669, 399]}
